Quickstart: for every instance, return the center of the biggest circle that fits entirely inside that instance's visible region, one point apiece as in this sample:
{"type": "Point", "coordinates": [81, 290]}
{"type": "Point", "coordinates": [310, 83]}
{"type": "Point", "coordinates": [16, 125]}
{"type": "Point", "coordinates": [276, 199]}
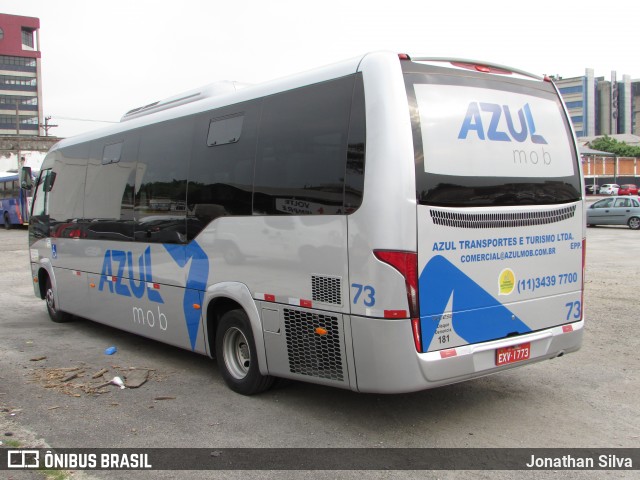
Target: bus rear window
{"type": "Point", "coordinates": [490, 143]}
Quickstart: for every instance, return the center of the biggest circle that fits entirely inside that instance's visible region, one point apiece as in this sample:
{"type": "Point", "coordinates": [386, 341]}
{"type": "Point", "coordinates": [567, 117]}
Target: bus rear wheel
{"type": "Point", "coordinates": [56, 315]}
{"type": "Point", "coordinates": [236, 355]}
{"type": "Point", "coordinates": [7, 222]}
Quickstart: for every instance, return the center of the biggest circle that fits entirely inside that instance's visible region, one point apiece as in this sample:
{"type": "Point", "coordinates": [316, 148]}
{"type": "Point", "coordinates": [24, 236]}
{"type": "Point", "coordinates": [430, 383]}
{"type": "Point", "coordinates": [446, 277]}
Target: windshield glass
{"type": "Point", "coordinates": [483, 142]}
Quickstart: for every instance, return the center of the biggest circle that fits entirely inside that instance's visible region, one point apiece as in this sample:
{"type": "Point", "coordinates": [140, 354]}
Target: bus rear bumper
{"type": "Point", "coordinates": [386, 361]}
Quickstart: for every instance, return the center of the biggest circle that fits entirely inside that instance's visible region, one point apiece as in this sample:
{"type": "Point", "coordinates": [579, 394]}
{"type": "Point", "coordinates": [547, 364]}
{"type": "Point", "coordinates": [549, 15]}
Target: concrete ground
{"type": "Point", "coordinates": [585, 399]}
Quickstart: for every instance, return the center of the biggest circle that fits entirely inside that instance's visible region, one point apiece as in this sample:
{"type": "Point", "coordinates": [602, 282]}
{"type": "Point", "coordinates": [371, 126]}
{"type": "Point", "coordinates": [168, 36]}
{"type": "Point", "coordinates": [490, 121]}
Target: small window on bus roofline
{"type": "Point", "coordinates": [112, 153]}
{"type": "Point", "coordinates": [225, 130]}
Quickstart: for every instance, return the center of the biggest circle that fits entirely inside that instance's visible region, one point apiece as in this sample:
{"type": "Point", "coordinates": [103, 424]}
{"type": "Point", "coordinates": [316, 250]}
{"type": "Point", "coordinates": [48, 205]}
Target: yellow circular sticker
{"type": "Point", "coordinates": [506, 281]}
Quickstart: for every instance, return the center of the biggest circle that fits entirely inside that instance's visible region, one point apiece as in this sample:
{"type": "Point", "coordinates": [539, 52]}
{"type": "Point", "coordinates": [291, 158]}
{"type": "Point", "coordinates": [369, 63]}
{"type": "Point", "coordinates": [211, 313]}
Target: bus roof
{"type": "Point", "coordinates": [213, 96]}
{"type": "Point", "coordinates": [329, 72]}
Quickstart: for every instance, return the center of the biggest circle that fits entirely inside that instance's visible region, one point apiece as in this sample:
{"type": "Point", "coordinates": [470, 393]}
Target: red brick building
{"type": "Point", "coordinates": [20, 76]}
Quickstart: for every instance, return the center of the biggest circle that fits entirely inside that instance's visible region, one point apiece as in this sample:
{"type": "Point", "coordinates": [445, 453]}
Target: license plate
{"type": "Point", "coordinates": [516, 353]}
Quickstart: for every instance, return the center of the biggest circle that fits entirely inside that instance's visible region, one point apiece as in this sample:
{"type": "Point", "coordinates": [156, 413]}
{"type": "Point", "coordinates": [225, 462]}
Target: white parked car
{"type": "Point", "coordinates": [609, 189]}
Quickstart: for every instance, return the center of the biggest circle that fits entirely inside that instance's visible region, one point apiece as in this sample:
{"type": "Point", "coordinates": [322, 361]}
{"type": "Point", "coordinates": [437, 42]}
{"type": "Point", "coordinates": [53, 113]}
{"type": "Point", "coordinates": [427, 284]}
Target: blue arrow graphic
{"type": "Point", "coordinates": [476, 315]}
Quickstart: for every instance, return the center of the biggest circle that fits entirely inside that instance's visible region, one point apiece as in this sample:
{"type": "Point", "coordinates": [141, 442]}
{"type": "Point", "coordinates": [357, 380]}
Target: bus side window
{"type": "Point", "coordinates": [302, 150]}
{"type": "Point", "coordinates": [221, 170]}
{"type": "Point", "coordinates": [39, 220]}
{"type": "Point", "coordinates": [110, 178]}
{"type": "Point", "coordinates": [40, 204]}
{"type": "Point", "coordinates": [161, 182]}
{"type": "Point", "coordinates": [354, 181]}
{"type": "Point", "coordinates": [66, 184]}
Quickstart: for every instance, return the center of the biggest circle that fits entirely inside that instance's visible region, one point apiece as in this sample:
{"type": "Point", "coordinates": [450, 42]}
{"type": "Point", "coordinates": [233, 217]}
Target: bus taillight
{"type": "Point", "coordinates": [481, 68]}
{"type": "Point", "coordinates": [407, 264]}
{"type": "Point", "coordinates": [417, 335]}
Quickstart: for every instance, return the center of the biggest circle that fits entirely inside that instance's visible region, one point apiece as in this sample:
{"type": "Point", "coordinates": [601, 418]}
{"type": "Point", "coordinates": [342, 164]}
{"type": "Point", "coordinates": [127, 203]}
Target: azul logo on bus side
{"type": "Point", "coordinates": [196, 282]}
{"type": "Point", "coordinates": [473, 123]}
{"type": "Point", "coordinates": [116, 261]}
{"type": "Point", "coordinates": [121, 260]}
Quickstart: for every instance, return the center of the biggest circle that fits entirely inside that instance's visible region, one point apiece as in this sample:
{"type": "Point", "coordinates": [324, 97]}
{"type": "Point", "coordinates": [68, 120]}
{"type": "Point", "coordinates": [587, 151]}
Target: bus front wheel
{"type": "Point", "coordinates": [55, 314]}
{"type": "Point", "coordinates": [7, 222]}
{"type": "Point", "coordinates": [236, 355]}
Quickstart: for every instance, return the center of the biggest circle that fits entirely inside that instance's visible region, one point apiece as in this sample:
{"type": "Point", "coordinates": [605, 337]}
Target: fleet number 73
{"type": "Point", "coordinates": [574, 310]}
{"type": "Point", "coordinates": [367, 292]}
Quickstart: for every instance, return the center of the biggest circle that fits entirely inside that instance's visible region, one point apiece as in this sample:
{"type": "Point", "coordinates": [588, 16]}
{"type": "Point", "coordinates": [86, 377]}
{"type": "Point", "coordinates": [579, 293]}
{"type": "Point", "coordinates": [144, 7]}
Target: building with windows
{"type": "Point", "coordinates": [635, 106]}
{"type": "Point", "coordinates": [598, 106]}
{"type": "Point", "coordinates": [20, 77]}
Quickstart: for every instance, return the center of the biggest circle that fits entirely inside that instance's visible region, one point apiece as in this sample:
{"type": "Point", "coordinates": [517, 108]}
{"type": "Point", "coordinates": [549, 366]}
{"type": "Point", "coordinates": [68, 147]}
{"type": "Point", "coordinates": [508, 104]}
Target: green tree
{"type": "Point", "coordinates": [611, 145]}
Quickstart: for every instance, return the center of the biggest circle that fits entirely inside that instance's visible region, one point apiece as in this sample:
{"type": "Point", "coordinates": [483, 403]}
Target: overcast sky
{"type": "Point", "coordinates": [102, 58]}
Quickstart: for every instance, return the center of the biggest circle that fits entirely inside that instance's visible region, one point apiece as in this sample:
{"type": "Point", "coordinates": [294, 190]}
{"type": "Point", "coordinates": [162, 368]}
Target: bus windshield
{"type": "Point", "coordinates": [490, 142]}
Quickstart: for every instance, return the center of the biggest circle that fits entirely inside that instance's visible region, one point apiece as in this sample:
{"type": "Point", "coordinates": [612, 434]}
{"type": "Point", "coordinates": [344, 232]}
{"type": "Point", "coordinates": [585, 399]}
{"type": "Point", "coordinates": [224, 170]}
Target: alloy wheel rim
{"type": "Point", "coordinates": [237, 355]}
{"type": "Point", "coordinates": [50, 301]}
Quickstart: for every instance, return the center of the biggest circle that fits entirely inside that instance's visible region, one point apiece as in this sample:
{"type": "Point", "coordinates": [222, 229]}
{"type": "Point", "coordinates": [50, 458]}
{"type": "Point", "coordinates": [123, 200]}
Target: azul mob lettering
{"type": "Point", "coordinates": [113, 275]}
{"type": "Point", "coordinates": [473, 121]}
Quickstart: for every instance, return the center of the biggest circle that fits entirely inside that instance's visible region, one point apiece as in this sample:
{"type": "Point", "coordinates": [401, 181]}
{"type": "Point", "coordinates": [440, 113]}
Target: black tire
{"type": "Point", "coordinates": [634, 223]}
{"type": "Point", "coordinates": [236, 355]}
{"type": "Point", "coordinates": [50, 300]}
{"type": "Point", "coordinates": [7, 222]}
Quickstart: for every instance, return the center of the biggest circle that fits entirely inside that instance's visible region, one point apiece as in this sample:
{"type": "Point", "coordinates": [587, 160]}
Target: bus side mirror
{"type": "Point", "coordinates": [26, 181]}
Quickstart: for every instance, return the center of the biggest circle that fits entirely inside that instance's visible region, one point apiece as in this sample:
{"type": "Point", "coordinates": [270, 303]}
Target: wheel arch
{"type": "Point", "coordinates": [6, 219]}
{"type": "Point", "coordinates": [46, 271]}
{"type": "Point", "coordinates": [226, 296]}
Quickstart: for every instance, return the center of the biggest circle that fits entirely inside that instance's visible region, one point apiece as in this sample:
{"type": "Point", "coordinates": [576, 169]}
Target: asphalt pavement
{"type": "Point", "coordinates": [585, 399]}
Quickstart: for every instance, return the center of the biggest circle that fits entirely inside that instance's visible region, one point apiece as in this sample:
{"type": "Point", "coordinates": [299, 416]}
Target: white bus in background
{"type": "Point", "coordinates": [384, 224]}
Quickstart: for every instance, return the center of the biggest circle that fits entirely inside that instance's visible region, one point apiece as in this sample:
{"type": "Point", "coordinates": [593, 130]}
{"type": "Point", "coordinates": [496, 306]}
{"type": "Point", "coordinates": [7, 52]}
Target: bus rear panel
{"type": "Point", "coordinates": [499, 231]}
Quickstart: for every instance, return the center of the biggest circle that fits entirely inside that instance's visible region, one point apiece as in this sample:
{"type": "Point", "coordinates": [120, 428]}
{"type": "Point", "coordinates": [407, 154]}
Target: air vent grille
{"type": "Point", "coordinates": [501, 220]}
{"type": "Point", "coordinates": [313, 344]}
{"type": "Point", "coordinates": [326, 289]}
